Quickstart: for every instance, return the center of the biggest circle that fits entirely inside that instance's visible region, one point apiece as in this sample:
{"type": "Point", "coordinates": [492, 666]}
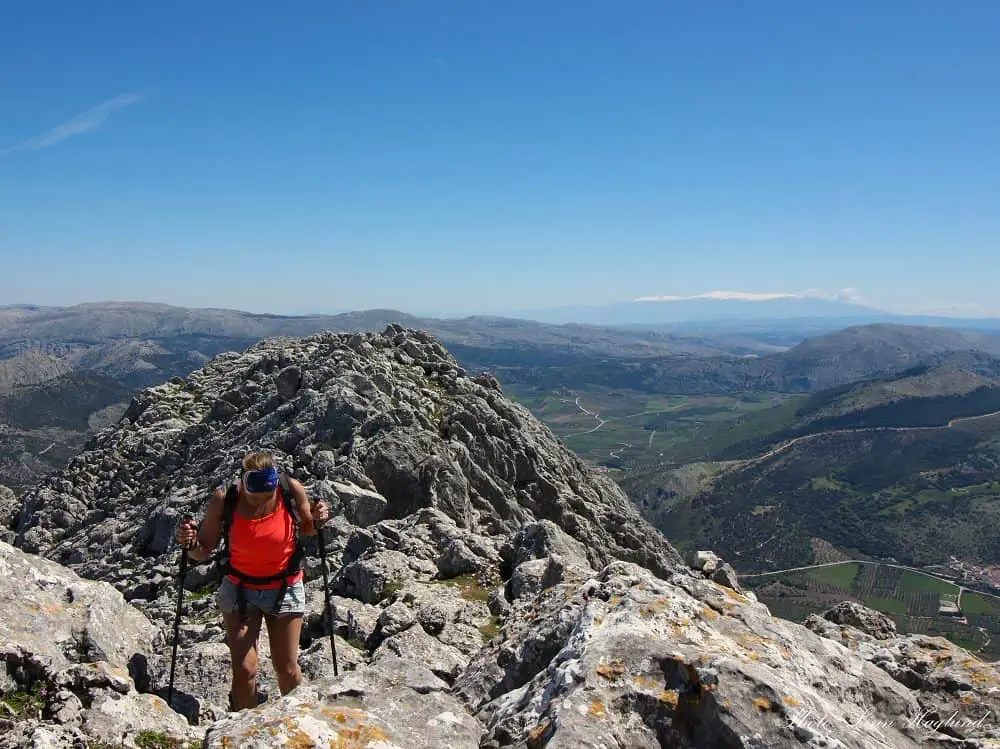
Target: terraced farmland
{"type": "Point", "coordinates": [911, 599]}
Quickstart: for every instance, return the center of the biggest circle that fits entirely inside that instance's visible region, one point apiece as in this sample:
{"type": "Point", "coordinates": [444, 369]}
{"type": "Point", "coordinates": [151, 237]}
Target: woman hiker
{"type": "Point", "coordinates": [263, 578]}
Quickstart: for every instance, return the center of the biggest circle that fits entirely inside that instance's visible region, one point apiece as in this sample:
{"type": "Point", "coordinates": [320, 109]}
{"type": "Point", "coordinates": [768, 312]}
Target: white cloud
{"type": "Point", "coordinates": [746, 296]}
{"type": "Point", "coordinates": [841, 295]}
{"type": "Point", "coordinates": [87, 122]}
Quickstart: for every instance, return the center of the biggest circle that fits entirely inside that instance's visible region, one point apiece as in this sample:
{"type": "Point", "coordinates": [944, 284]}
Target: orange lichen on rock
{"type": "Point", "coordinates": [762, 703]}
{"type": "Point", "coordinates": [669, 697]}
{"type": "Point", "coordinates": [597, 708]}
{"type": "Point", "coordinates": [644, 682]}
{"type": "Point", "coordinates": [734, 595]}
{"type": "Point", "coordinates": [539, 735]}
{"type": "Point", "coordinates": [611, 671]}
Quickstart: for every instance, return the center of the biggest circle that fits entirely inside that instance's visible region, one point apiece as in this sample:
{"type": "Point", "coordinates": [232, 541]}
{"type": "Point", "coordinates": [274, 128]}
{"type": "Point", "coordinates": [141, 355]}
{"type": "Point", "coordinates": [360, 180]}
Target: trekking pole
{"type": "Point", "coordinates": [326, 593]}
{"type": "Point", "coordinates": [177, 616]}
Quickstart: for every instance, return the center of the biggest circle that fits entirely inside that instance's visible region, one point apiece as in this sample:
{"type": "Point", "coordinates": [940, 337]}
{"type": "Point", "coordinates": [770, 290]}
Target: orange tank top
{"type": "Point", "coordinates": [263, 546]}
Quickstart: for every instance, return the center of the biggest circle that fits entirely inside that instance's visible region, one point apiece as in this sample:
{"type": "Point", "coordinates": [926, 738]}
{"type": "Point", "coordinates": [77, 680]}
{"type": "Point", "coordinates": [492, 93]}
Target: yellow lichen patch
{"type": "Point", "coordinates": [598, 621]}
{"type": "Point", "coordinates": [762, 703]}
{"type": "Point", "coordinates": [791, 701]}
{"type": "Point", "coordinates": [654, 607]}
{"type": "Point", "coordinates": [753, 655]}
{"type": "Point", "coordinates": [538, 735]}
{"type": "Point", "coordinates": [597, 708]}
{"type": "Point", "coordinates": [611, 671]}
{"type": "Point", "coordinates": [359, 737]}
{"type": "Point", "coordinates": [300, 740]}
{"type": "Point", "coordinates": [343, 714]}
{"type": "Point", "coordinates": [709, 613]}
{"type": "Point", "coordinates": [614, 600]}
{"type": "Point", "coordinates": [734, 595]}
{"type": "Point", "coordinates": [967, 699]}
{"type": "Point", "coordinates": [644, 682]}
{"type": "Point", "coordinates": [669, 697]}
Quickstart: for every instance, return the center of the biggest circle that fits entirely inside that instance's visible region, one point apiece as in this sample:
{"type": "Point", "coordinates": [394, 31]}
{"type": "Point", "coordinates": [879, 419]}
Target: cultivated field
{"type": "Point", "coordinates": [909, 598]}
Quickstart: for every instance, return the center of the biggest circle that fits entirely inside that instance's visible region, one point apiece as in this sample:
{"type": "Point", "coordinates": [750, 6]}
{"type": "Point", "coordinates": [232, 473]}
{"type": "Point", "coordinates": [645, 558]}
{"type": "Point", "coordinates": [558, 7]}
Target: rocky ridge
{"type": "Point", "coordinates": [489, 589]}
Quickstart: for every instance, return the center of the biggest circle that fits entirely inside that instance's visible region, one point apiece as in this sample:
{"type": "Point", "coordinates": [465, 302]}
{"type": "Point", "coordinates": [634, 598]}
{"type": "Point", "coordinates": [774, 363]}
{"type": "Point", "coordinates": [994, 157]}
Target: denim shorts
{"type": "Point", "coordinates": [293, 603]}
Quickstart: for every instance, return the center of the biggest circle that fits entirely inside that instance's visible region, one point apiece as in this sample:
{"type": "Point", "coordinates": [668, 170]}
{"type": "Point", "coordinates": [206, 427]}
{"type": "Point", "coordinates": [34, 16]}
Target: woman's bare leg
{"type": "Point", "coordinates": [241, 636]}
{"type": "Point", "coordinates": [283, 633]}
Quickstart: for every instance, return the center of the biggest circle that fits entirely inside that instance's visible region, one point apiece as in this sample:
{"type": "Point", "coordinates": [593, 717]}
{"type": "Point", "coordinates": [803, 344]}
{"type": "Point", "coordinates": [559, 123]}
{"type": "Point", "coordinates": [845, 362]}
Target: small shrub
{"type": "Point", "coordinates": [27, 704]}
{"type": "Point", "coordinates": [156, 740]}
{"type": "Point", "coordinates": [490, 629]}
{"type": "Point", "coordinates": [356, 643]}
{"type": "Point", "coordinates": [469, 588]}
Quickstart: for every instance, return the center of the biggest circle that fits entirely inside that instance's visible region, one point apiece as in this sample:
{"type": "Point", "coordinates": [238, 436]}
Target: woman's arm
{"type": "Point", "coordinates": [309, 513]}
{"type": "Point", "coordinates": [211, 527]}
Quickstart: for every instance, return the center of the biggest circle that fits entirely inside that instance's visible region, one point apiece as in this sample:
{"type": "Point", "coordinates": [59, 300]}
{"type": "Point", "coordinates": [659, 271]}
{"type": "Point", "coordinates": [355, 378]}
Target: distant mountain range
{"type": "Point", "coordinates": [705, 307]}
{"type": "Point", "coordinates": [723, 310]}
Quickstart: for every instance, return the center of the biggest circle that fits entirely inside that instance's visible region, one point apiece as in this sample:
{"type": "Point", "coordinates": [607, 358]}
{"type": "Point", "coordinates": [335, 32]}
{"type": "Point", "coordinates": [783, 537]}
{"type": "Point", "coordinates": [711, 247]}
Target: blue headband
{"type": "Point", "coordinates": [258, 482]}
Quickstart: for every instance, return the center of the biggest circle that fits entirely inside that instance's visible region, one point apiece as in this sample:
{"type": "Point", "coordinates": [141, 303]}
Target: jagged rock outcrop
{"type": "Point", "coordinates": [488, 588]}
{"type": "Point", "coordinates": [396, 705]}
{"type": "Point", "coordinates": [956, 692]}
{"type": "Point", "coordinates": [9, 510]}
{"type": "Point", "coordinates": [71, 651]}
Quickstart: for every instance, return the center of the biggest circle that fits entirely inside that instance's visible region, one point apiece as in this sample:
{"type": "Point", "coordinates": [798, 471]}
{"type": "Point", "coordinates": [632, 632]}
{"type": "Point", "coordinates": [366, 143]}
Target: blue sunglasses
{"type": "Point", "coordinates": [258, 482]}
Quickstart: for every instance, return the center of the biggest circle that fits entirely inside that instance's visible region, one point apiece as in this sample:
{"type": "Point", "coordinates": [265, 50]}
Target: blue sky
{"type": "Point", "coordinates": [471, 157]}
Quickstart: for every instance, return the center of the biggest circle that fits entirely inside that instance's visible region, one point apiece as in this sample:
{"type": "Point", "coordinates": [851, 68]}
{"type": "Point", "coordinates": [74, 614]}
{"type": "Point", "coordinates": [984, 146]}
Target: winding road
{"type": "Point", "coordinates": [857, 430]}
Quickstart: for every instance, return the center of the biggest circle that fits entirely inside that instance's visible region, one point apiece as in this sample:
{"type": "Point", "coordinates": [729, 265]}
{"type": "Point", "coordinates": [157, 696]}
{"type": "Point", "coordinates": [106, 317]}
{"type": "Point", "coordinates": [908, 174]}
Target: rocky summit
{"type": "Point", "coordinates": [489, 589]}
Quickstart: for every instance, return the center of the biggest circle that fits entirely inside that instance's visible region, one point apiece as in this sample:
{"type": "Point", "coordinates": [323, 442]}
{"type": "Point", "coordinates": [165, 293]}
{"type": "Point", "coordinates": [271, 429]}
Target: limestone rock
{"type": "Point", "coordinates": [705, 561]}
{"type": "Point", "coordinates": [628, 659]}
{"type": "Point", "coordinates": [954, 689]}
{"type": "Point", "coordinates": [10, 507]}
{"type": "Point", "coordinates": [871, 622]}
{"type": "Point", "coordinates": [361, 506]}
{"type": "Point", "coordinates": [362, 708]}
{"type": "Point", "coordinates": [415, 645]}
{"type": "Point", "coordinates": [51, 615]}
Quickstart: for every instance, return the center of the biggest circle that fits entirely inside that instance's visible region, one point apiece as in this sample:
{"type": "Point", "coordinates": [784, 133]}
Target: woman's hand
{"type": "Point", "coordinates": [186, 533]}
{"type": "Point", "coordinates": [320, 513]}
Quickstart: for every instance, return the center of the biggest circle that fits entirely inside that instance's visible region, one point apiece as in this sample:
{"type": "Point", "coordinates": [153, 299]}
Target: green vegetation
{"type": "Point", "coordinates": [391, 589]}
{"type": "Point", "coordinates": [27, 704]}
{"type": "Point", "coordinates": [974, 603]}
{"type": "Point", "coordinates": [490, 629]}
{"type": "Point", "coordinates": [632, 430]}
{"type": "Point", "coordinates": [840, 575]}
{"type": "Point", "coordinates": [357, 643]}
{"type": "Point", "coordinates": [155, 740]}
{"type": "Point", "coordinates": [468, 586]}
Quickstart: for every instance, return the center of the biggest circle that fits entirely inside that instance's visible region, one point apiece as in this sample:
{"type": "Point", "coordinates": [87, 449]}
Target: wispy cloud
{"type": "Point", "coordinates": [748, 296]}
{"type": "Point", "coordinates": [841, 295]}
{"type": "Point", "coordinates": [83, 123]}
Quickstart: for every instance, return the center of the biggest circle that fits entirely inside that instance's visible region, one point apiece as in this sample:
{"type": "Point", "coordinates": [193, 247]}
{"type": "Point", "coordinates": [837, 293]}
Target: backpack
{"type": "Point", "coordinates": [295, 562]}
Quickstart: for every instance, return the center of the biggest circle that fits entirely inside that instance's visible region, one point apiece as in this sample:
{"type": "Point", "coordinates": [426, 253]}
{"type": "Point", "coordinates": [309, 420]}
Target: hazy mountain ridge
{"type": "Point", "coordinates": [834, 359]}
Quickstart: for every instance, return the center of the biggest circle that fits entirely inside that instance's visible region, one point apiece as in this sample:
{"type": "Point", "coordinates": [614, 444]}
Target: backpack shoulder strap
{"type": "Point", "coordinates": [228, 510]}
{"type": "Point", "coordinates": [289, 498]}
